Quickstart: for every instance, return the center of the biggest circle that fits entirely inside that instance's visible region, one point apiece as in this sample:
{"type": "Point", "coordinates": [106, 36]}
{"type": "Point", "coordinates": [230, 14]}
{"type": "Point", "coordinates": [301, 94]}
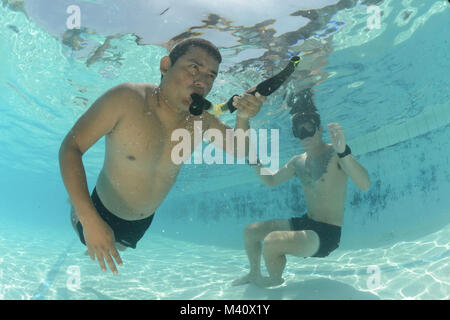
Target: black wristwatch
{"type": "Point", "coordinates": [346, 152]}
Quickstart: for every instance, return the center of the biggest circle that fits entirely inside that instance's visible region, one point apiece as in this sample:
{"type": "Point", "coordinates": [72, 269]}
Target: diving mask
{"type": "Point", "coordinates": [298, 122]}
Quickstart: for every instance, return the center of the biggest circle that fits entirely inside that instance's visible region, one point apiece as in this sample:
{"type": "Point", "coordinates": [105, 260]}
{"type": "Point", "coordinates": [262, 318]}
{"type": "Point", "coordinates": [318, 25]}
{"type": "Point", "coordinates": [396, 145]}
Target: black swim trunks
{"type": "Point", "coordinates": [126, 232]}
{"type": "Point", "coordinates": [329, 235]}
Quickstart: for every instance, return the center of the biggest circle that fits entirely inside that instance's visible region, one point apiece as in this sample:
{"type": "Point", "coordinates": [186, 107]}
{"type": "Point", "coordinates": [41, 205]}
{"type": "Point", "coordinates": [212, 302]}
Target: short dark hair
{"type": "Point", "coordinates": [302, 101]}
{"type": "Point", "coordinates": [181, 48]}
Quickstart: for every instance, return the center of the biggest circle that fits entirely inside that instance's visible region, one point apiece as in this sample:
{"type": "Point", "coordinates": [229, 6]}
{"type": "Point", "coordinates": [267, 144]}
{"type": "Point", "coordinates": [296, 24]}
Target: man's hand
{"type": "Point", "coordinates": [337, 136]}
{"type": "Point", "coordinates": [248, 105]}
{"type": "Point", "coordinates": [100, 242]}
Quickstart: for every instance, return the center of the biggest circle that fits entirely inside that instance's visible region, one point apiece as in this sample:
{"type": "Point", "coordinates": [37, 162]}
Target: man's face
{"type": "Point", "coordinates": [194, 72]}
{"type": "Point", "coordinates": [305, 130]}
{"type": "Point", "coordinates": [308, 133]}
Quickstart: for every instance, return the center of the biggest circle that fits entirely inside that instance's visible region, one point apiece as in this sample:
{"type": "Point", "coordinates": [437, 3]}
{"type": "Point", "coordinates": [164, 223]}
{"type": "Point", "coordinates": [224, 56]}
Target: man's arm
{"type": "Point", "coordinates": [237, 141]}
{"type": "Point", "coordinates": [355, 171]}
{"type": "Point", "coordinates": [247, 106]}
{"type": "Point", "coordinates": [274, 179]}
{"type": "Point", "coordinates": [233, 139]}
{"type": "Point", "coordinates": [98, 120]}
{"type": "Point", "coordinates": [348, 163]}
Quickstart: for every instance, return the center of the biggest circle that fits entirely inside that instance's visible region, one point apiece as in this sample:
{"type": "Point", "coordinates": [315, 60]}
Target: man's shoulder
{"type": "Point", "coordinates": [296, 160]}
{"type": "Point", "coordinates": [136, 88]}
{"type": "Point", "coordinates": [129, 94]}
{"type": "Point", "coordinates": [299, 156]}
{"type": "Point", "coordinates": [208, 120]}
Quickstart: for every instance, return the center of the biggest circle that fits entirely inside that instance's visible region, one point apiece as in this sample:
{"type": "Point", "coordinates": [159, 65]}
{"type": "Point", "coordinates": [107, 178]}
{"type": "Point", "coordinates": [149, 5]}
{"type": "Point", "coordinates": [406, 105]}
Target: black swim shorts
{"type": "Point", "coordinates": [329, 235]}
{"type": "Point", "coordinates": [126, 232]}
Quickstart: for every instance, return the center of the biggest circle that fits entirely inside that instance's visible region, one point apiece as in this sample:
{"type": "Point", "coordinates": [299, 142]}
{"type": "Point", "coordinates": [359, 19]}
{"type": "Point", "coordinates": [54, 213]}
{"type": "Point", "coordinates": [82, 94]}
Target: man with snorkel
{"type": "Point", "coordinates": [323, 171]}
{"type": "Point", "coordinates": [137, 121]}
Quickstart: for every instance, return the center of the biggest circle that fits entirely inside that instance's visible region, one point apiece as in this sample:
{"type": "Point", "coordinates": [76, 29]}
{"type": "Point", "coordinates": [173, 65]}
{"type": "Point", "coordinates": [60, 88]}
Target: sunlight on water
{"type": "Point", "coordinates": [173, 269]}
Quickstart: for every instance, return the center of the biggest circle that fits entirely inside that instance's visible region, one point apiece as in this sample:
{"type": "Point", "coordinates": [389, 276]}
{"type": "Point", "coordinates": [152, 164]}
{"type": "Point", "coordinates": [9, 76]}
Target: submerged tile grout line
{"type": "Point", "coordinates": [433, 118]}
{"type": "Point", "coordinates": [43, 288]}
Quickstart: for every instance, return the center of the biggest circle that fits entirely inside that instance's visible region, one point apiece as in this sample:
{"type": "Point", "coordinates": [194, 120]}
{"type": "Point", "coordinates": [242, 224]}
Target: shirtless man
{"type": "Point", "coordinates": [138, 172]}
{"type": "Point", "coordinates": [323, 171]}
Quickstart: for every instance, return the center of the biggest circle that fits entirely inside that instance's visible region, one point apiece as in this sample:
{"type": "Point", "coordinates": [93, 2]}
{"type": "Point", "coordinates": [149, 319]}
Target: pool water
{"type": "Point", "coordinates": [38, 267]}
{"type": "Point", "coordinates": [386, 85]}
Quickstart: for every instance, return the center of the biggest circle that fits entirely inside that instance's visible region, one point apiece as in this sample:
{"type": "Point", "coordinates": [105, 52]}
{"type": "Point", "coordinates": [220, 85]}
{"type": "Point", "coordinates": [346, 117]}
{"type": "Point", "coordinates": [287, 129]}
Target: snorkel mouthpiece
{"type": "Point", "coordinates": [198, 104]}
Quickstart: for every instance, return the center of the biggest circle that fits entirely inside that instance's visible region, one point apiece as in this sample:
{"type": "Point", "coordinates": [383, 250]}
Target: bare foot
{"type": "Point", "coordinates": [244, 280]}
{"type": "Point", "coordinates": [265, 282]}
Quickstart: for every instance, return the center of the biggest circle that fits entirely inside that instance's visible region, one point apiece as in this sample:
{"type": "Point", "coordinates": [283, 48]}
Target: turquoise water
{"type": "Point", "coordinates": [387, 86]}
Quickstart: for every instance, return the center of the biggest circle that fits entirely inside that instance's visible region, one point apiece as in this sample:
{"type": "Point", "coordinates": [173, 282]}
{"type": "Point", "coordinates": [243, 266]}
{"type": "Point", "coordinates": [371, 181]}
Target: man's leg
{"type": "Point", "coordinates": [279, 243]}
{"type": "Point", "coordinates": [254, 233]}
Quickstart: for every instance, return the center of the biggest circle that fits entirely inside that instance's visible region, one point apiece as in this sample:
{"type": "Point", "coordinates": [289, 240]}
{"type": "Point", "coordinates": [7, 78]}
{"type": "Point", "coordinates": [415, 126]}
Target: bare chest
{"type": "Point", "coordinates": [320, 173]}
{"type": "Point", "coordinates": [143, 142]}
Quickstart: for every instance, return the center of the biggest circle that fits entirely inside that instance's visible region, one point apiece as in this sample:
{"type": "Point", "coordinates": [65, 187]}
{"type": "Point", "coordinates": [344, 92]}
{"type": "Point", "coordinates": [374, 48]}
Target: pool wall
{"type": "Point", "coordinates": [408, 198]}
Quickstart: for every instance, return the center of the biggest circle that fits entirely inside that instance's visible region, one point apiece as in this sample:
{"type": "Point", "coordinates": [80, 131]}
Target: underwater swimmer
{"type": "Point", "coordinates": [137, 121]}
{"type": "Point", "coordinates": [323, 171]}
